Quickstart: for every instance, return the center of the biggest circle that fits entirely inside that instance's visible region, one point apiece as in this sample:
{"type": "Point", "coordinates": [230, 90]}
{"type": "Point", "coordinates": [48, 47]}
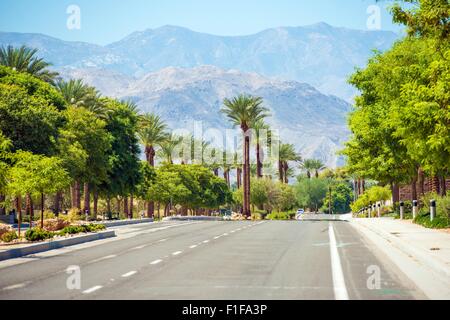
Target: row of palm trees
{"type": "Point", "coordinates": [244, 111]}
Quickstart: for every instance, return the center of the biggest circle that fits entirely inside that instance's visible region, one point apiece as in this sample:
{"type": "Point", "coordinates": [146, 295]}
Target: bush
{"type": "Point", "coordinates": [439, 222]}
{"type": "Point", "coordinates": [74, 215]}
{"type": "Point", "coordinates": [38, 234]}
{"type": "Point", "coordinates": [55, 224]}
{"type": "Point", "coordinates": [9, 236]}
{"type": "Point", "coordinates": [49, 215]}
{"type": "Point", "coordinates": [4, 228]}
{"type": "Point", "coordinates": [281, 216]}
{"type": "Point", "coordinates": [85, 228]}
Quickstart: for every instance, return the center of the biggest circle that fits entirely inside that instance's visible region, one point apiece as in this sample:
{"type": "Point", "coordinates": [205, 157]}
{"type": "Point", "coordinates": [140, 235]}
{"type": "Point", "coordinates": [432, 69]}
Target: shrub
{"type": "Point", "coordinates": [84, 228]}
{"type": "Point", "coordinates": [9, 236]}
{"type": "Point", "coordinates": [439, 222]}
{"type": "Point", "coordinates": [281, 216]}
{"type": "Point", "coordinates": [38, 234]}
{"type": "Point", "coordinates": [55, 224]}
{"type": "Point", "coordinates": [4, 228]}
{"type": "Point", "coordinates": [49, 215]}
{"type": "Point", "coordinates": [74, 215]}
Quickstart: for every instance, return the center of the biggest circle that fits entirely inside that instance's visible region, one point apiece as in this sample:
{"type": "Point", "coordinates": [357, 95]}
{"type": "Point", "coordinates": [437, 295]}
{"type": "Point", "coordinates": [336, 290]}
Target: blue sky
{"type": "Point", "coordinates": [106, 21]}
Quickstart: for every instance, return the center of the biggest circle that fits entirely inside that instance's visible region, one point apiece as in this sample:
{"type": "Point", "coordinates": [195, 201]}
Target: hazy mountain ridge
{"type": "Point", "coordinates": [314, 122]}
{"type": "Point", "coordinates": [321, 55]}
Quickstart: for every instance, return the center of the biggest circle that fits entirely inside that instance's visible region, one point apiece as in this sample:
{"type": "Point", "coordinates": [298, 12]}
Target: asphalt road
{"type": "Point", "coordinates": [320, 259]}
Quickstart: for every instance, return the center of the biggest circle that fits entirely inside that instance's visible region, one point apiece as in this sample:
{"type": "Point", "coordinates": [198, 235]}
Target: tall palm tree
{"type": "Point", "coordinates": [152, 133]}
{"type": "Point", "coordinates": [318, 166]}
{"type": "Point", "coordinates": [258, 128]}
{"type": "Point", "coordinates": [287, 154]}
{"type": "Point", "coordinates": [245, 111]}
{"type": "Point", "coordinates": [24, 59]}
{"type": "Point", "coordinates": [308, 166]}
{"type": "Point", "coordinates": [168, 147]}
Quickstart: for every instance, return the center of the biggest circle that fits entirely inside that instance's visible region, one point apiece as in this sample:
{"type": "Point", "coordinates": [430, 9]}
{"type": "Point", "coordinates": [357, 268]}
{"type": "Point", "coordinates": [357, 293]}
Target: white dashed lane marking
{"type": "Point", "coordinates": [156, 262]}
{"type": "Point", "coordinates": [129, 274]}
{"type": "Point", "coordinates": [93, 289]}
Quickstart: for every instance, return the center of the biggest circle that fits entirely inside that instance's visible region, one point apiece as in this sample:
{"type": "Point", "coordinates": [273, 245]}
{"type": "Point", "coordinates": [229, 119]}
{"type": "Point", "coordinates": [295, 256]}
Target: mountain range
{"type": "Point", "coordinates": [321, 55]}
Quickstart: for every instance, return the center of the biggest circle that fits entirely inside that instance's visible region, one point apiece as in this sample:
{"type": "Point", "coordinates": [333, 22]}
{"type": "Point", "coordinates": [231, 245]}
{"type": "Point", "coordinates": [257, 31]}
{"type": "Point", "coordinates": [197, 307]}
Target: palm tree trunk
{"type": "Point", "coordinates": [57, 206]}
{"type": "Point", "coordinates": [150, 154]}
{"type": "Point", "coordinates": [125, 207]}
{"type": "Point", "coordinates": [395, 193]}
{"type": "Point", "coordinates": [87, 199]}
{"type": "Point", "coordinates": [443, 186]}
{"type": "Point", "coordinates": [414, 189]}
{"type": "Point", "coordinates": [435, 184]}
{"type": "Point", "coordinates": [280, 171]}
{"type": "Point", "coordinates": [131, 206]}
{"type": "Point", "coordinates": [285, 169]}
{"type": "Point", "coordinates": [2, 206]}
{"type": "Point", "coordinates": [150, 209]}
{"type": "Point", "coordinates": [72, 195]}
{"type": "Point", "coordinates": [29, 208]}
{"type": "Point", "coordinates": [363, 186]}
{"type": "Point", "coordinates": [108, 205]}
{"type": "Point", "coordinates": [239, 177]}
{"type": "Point", "coordinates": [247, 211]}
{"type": "Point", "coordinates": [19, 213]}
{"type": "Point", "coordinates": [42, 210]}
{"type": "Point", "coordinates": [259, 164]}
{"type": "Point", "coordinates": [95, 203]}
{"type": "Point", "coordinates": [77, 195]}
{"type": "Point", "coordinates": [421, 182]}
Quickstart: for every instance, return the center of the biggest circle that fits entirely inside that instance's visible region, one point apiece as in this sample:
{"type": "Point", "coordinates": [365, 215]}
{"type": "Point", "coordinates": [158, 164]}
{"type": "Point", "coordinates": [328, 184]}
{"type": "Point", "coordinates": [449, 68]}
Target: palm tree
{"type": "Point", "coordinates": [308, 166]}
{"type": "Point", "coordinates": [287, 154]}
{"type": "Point", "coordinates": [245, 111]}
{"type": "Point", "coordinates": [168, 147]}
{"type": "Point", "coordinates": [258, 127]}
{"type": "Point", "coordinates": [318, 166]}
{"type": "Point", "coordinates": [24, 59]}
{"type": "Point", "coordinates": [152, 133]}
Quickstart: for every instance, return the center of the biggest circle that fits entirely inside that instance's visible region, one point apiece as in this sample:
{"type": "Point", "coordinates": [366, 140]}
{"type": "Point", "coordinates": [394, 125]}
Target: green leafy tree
{"type": "Point", "coordinates": [36, 175]}
{"type": "Point", "coordinates": [341, 198]}
{"type": "Point", "coordinates": [310, 193]}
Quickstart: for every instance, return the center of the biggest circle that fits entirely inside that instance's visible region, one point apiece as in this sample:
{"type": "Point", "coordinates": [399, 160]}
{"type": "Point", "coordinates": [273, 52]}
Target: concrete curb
{"type": "Point", "coordinates": [119, 223]}
{"type": "Point", "coordinates": [417, 253]}
{"type": "Point", "coordinates": [55, 244]}
{"type": "Point", "coordinates": [193, 219]}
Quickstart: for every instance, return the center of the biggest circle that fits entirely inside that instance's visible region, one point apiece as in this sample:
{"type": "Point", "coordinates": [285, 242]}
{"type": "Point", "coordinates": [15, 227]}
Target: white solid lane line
{"type": "Point", "coordinates": [90, 290]}
{"type": "Point", "coordinates": [156, 262]}
{"type": "Point", "coordinates": [340, 290]}
{"type": "Point", "coordinates": [129, 274]}
{"type": "Point", "coordinates": [177, 253]}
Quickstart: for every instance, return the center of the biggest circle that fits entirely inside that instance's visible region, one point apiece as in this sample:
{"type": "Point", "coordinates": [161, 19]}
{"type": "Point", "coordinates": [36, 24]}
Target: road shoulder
{"type": "Point", "coordinates": [421, 254]}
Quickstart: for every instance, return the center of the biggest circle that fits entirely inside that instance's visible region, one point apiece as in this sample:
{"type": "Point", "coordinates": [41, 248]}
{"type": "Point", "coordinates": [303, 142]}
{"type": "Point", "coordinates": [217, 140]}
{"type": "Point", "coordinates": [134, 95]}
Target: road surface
{"type": "Point", "coordinates": [323, 259]}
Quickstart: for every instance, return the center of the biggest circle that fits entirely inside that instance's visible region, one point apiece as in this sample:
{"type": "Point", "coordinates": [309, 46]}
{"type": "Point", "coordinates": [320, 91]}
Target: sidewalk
{"type": "Point", "coordinates": [422, 254]}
